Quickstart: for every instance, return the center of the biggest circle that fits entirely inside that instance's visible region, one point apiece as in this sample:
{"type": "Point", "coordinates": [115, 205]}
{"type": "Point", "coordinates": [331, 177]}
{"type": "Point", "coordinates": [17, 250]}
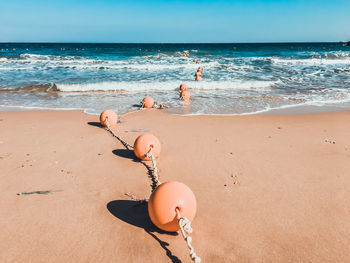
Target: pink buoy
{"type": "Point", "coordinates": [164, 201]}
{"type": "Point", "coordinates": [147, 102]}
{"type": "Point", "coordinates": [108, 118]}
{"type": "Point", "coordinates": [144, 143]}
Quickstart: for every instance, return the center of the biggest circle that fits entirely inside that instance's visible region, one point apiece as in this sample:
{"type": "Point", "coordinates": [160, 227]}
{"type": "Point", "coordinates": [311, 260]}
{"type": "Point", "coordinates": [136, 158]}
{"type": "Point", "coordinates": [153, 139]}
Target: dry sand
{"type": "Point", "coordinates": [269, 188]}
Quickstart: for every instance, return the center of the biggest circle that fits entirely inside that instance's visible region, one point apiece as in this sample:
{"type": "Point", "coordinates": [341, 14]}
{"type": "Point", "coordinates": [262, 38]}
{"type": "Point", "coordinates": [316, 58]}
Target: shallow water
{"type": "Point", "coordinates": [237, 78]}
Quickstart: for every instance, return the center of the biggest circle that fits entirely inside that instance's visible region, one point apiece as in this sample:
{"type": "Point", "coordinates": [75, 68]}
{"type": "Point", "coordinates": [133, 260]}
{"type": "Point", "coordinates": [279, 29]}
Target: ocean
{"type": "Point", "coordinates": [237, 78]}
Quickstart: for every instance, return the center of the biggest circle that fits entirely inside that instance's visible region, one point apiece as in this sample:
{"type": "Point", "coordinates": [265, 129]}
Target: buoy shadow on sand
{"type": "Point", "coordinates": [124, 153]}
{"type": "Point", "coordinates": [96, 124]}
{"type": "Point", "coordinates": [136, 214]}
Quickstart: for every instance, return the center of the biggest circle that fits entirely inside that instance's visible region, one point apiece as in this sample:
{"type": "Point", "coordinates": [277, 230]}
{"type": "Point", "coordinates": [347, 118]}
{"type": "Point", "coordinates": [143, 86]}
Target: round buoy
{"type": "Point", "coordinates": [194, 60]}
{"type": "Point", "coordinates": [185, 95]}
{"type": "Point", "coordinates": [183, 87]}
{"type": "Point", "coordinates": [108, 116]}
{"type": "Point", "coordinates": [142, 145]}
{"type": "Point", "coordinates": [147, 102]}
{"type": "Point", "coordinates": [164, 201]}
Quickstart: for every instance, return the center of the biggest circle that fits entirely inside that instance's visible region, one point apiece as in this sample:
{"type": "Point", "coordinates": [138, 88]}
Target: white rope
{"type": "Point", "coordinates": [155, 105]}
{"type": "Point", "coordinates": [160, 106]}
{"type": "Point", "coordinates": [126, 145]}
{"type": "Point", "coordinates": [185, 227]}
{"type": "Point", "coordinates": [155, 168]}
{"type": "Point", "coordinates": [135, 198]}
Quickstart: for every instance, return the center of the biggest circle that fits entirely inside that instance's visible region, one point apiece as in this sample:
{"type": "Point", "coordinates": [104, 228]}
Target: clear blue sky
{"type": "Point", "coordinates": [174, 21]}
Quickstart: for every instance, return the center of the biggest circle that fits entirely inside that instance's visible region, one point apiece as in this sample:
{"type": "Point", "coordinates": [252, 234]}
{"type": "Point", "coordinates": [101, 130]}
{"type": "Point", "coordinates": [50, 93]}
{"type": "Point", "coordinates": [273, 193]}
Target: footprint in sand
{"type": "Point", "coordinates": [329, 141]}
{"type": "Point", "coordinates": [27, 162]}
{"type": "Point", "coordinates": [234, 179]}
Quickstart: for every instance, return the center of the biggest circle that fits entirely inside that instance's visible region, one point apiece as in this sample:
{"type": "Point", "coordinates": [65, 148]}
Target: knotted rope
{"type": "Point", "coordinates": [185, 227]}
{"type": "Point", "coordinates": [155, 106]}
{"type": "Point", "coordinates": [107, 128]}
{"type": "Point", "coordinates": [160, 106]}
{"type": "Point", "coordinates": [142, 105]}
{"type": "Point", "coordinates": [155, 168]}
{"type": "Point", "coordinates": [135, 198]}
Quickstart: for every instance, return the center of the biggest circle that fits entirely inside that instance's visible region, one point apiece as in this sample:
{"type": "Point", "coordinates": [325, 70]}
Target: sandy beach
{"type": "Point", "coordinates": [269, 188]}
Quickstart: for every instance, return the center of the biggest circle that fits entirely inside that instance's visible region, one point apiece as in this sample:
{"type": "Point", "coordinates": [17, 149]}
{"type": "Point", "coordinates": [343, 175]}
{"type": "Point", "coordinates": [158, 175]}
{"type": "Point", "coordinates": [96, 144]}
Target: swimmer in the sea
{"type": "Point", "coordinates": [198, 76]}
{"type": "Point", "coordinates": [183, 87]}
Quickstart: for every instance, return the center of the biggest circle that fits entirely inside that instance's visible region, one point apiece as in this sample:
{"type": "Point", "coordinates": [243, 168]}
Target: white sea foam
{"type": "Point", "coordinates": [311, 61]}
{"type": "Point", "coordinates": [163, 62]}
{"type": "Point", "coordinates": [37, 57]}
{"type": "Point", "coordinates": [81, 63]}
{"type": "Point", "coordinates": [21, 107]}
{"type": "Point", "coordinates": [267, 108]}
{"type": "Point", "coordinates": [164, 86]}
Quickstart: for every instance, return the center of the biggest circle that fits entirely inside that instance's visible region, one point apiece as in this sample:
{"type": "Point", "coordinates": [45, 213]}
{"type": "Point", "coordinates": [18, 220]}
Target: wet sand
{"type": "Point", "coordinates": [269, 188]}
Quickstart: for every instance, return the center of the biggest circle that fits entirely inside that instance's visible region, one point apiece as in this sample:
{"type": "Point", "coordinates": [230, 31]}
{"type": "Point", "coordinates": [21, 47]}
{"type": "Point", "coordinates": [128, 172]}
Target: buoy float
{"type": "Point", "coordinates": [185, 95]}
{"type": "Point", "coordinates": [108, 116]}
{"type": "Point", "coordinates": [147, 102]}
{"type": "Point", "coordinates": [164, 201]}
{"type": "Point", "coordinates": [183, 87]}
{"type": "Point", "coordinates": [143, 144]}
{"type": "Point", "coordinates": [194, 60]}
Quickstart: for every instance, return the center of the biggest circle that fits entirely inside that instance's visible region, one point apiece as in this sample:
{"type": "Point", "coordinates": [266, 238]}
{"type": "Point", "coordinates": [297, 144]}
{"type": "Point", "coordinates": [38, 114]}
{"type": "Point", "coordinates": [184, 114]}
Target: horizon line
{"type": "Point", "coordinates": [175, 43]}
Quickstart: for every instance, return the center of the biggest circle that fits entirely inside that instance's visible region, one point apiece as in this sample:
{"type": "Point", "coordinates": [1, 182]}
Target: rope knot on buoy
{"type": "Point", "coordinates": [185, 224]}
{"type": "Point", "coordinates": [149, 153]}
